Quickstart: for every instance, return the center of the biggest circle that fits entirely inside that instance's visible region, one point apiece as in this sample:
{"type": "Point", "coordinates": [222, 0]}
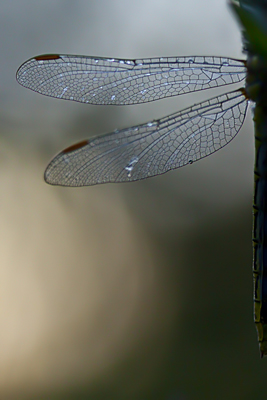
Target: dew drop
{"type": "Point", "coordinates": [152, 123]}
{"type": "Point", "coordinates": [129, 167]}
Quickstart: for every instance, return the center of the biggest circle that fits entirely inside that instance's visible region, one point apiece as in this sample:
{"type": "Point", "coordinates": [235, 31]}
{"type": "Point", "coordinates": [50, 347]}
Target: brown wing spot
{"type": "Point", "coordinates": [75, 146]}
{"type": "Point", "coordinates": [47, 57]}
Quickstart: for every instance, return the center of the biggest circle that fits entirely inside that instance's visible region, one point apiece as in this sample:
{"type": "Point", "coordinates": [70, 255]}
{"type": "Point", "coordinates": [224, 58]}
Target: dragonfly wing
{"type": "Point", "coordinates": [152, 148]}
{"type": "Point", "coordinates": [96, 80]}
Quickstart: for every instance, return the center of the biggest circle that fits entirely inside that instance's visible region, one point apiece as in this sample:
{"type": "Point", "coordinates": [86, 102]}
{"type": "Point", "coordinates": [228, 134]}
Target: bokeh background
{"type": "Point", "coordinates": [123, 291]}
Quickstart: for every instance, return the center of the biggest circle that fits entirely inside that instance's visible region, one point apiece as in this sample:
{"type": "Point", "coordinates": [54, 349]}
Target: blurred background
{"type": "Point", "coordinates": [122, 291]}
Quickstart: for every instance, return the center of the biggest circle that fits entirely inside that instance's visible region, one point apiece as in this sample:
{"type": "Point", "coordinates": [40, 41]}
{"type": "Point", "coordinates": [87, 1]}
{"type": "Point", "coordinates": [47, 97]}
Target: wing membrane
{"type": "Point", "coordinates": [153, 148]}
{"type": "Point", "coordinates": [96, 80]}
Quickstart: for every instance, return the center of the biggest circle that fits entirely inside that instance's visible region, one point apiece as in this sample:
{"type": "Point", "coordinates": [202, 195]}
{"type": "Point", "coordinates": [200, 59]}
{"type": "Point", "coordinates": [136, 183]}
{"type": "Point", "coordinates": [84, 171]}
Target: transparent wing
{"type": "Point", "coordinates": [152, 148]}
{"type": "Point", "coordinates": [97, 80]}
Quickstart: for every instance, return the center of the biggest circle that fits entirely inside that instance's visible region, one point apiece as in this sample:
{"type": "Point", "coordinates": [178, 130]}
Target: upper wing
{"type": "Point", "coordinates": [97, 80]}
{"type": "Point", "coordinates": [153, 148]}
